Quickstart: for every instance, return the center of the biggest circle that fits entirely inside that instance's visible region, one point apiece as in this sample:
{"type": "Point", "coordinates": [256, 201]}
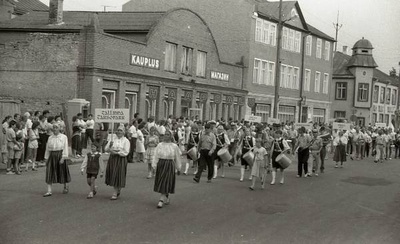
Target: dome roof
{"type": "Point", "coordinates": [363, 43]}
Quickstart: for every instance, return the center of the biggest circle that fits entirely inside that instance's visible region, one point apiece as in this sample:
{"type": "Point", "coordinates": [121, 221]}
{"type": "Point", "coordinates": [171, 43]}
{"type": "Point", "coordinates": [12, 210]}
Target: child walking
{"type": "Point", "coordinates": [18, 151]}
{"type": "Point", "coordinates": [93, 163]}
{"type": "Point", "coordinates": [260, 160]}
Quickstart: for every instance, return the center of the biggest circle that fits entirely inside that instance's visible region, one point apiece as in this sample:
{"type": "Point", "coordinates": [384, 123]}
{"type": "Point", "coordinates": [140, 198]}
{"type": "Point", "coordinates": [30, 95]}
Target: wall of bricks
{"type": "Point", "coordinates": [39, 69]}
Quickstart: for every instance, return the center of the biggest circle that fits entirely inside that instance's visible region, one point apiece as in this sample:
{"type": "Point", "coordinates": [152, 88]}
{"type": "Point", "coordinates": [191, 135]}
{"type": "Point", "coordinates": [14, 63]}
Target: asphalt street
{"type": "Point", "coordinates": [359, 203]}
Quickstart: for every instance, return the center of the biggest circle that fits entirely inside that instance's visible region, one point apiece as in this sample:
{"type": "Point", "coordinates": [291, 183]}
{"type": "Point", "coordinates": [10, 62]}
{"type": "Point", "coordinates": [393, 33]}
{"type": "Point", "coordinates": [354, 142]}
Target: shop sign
{"type": "Point", "coordinates": [187, 95]}
{"type": "Point", "coordinates": [146, 62]}
{"type": "Point", "coordinates": [341, 126]}
{"type": "Point", "coordinates": [104, 115]}
{"type": "Point", "coordinates": [240, 101]}
{"type": "Point", "coordinates": [153, 92]}
{"type": "Point", "coordinates": [217, 98]}
{"type": "Point", "coordinates": [203, 96]}
{"type": "Point", "coordinates": [229, 100]}
{"type": "Point", "coordinates": [172, 94]}
{"type": "Point", "coordinates": [251, 102]}
{"type": "Point", "coordinates": [252, 118]}
{"type": "Point", "coordinates": [219, 76]}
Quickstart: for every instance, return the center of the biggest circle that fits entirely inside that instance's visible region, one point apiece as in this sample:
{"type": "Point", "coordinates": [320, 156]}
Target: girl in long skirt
{"type": "Point", "coordinates": [56, 166]}
{"type": "Point", "coordinates": [117, 163]}
{"type": "Point", "coordinates": [151, 142]}
{"type": "Point", "coordinates": [167, 160]}
{"type": "Point", "coordinates": [340, 144]}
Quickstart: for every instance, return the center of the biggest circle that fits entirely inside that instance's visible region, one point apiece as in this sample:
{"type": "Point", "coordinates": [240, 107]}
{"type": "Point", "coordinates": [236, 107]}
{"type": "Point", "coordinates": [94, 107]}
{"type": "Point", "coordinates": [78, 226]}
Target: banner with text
{"type": "Point", "coordinates": [273, 121]}
{"type": "Point", "coordinates": [381, 125]}
{"type": "Point", "coordinates": [307, 126]}
{"type": "Point", "coordinates": [105, 115]}
{"type": "Point", "coordinates": [253, 119]}
{"type": "Point", "coordinates": [341, 126]}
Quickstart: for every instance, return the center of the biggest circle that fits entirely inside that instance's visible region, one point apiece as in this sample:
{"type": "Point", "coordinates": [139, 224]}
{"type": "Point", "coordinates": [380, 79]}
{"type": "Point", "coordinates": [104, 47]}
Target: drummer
{"type": "Point", "coordinates": [279, 146]}
{"type": "Point", "coordinates": [222, 142]}
{"type": "Point", "coordinates": [192, 141]}
{"type": "Point", "coordinates": [248, 143]}
{"type": "Point", "coordinates": [326, 139]}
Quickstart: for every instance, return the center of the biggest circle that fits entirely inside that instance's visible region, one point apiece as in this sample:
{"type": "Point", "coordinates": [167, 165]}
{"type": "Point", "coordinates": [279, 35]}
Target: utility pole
{"type": "Point", "coordinates": [106, 6]}
{"type": "Point", "coordinates": [337, 27]}
{"type": "Point", "coordinates": [278, 61]}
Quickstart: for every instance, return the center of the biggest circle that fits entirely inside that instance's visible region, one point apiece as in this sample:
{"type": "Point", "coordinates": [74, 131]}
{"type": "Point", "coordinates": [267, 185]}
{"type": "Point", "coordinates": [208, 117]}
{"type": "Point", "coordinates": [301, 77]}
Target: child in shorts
{"type": "Point", "coordinates": [93, 163]}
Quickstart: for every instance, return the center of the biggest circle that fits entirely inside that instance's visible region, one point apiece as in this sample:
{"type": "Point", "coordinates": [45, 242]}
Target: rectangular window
{"type": "Point", "coordinates": [382, 95]}
{"type": "Point", "coordinates": [309, 45]}
{"type": "Point", "coordinates": [318, 115]}
{"type": "Point", "coordinates": [339, 114]}
{"type": "Point", "coordinates": [325, 84]}
{"type": "Point", "coordinates": [170, 57]}
{"type": "Point", "coordinates": [263, 111]}
{"type": "Point", "coordinates": [271, 74]}
{"type": "Point", "coordinates": [388, 95]}
{"type": "Point", "coordinates": [394, 95]}
{"type": "Point", "coordinates": [263, 76]}
{"type": "Point", "coordinates": [341, 91]}
{"type": "Point", "coordinates": [319, 48]}
{"type": "Point", "coordinates": [307, 80]}
{"type": "Point", "coordinates": [265, 33]}
{"type": "Point", "coordinates": [291, 40]}
{"type": "Point", "coordinates": [317, 82]}
{"type": "Point", "coordinates": [285, 38]}
{"type": "Point", "coordinates": [363, 92]}
{"type": "Point", "coordinates": [256, 71]}
{"type": "Point", "coordinates": [186, 60]}
{"type": "Point", "coordinates": [272, 34]}
{"type": "Point", "coordinates": [259, 24]}
{"type": "Point", "coordinates": [297, 42]}
{"type": "Point", "coordinates": [374, 118]}
{"type": "Point", "coordinates": [327, 50]}
{"type": "Point", "coordinates": [286, 113]}
{"type": "Point", "coordinates": [296, 78]}
{"type": "Point", "coordinates": [289, 76]}
{"type": "Point", "coordinates": [201, 64]}
{"type": "Point", "coordinates": [376, 94]}
{"type": "Point", "coordinates": [283, 76]}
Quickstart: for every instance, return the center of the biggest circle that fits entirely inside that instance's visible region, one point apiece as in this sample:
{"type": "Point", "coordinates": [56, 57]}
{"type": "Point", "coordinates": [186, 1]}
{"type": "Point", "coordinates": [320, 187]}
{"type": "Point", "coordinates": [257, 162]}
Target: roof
{"type": "Point", "coordinates": [24, 6]}
{"type": "Point", "coordinates": [363, 43]}
{"type": "Point", "coordinates": [319, 33]}
{"type": "Point", "coordinates": [362, 60]}
{"type": "Point", "coordinates": [385, 78]}
{"type": "Point", "coordinates": [76, 20]}
{"type": "Point", "coordinates": [340, 61]}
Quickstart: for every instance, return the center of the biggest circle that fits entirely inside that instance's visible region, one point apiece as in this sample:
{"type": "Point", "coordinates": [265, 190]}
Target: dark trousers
{"type": "Point", "coordinates": [43, 137]}
{"type": "Point", "coordinates": [205, 161]}
{"type": "Point", "coordinates": [302, 157]}
{"type": "Point", "coordinates": [90, 134]}
{"type": "Point", "coordinates": [367, 146]}
{"type": "Point", "coordinates": [322, 154]}
{"type": "Point", "coordinates": [350, 146]}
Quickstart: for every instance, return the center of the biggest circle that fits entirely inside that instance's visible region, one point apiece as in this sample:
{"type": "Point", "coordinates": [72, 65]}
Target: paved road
{"type": "Point", "coordinates": [357, 204]}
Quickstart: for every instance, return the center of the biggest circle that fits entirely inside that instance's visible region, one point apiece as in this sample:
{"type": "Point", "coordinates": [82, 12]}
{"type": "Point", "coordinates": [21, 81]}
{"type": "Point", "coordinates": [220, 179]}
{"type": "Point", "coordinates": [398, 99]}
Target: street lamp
{"type": "Point", "coordinates": [278, 57]}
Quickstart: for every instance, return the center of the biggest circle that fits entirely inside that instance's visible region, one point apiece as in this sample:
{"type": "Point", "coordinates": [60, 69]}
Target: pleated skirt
{"type": "Point", "coordinates": [340, 153]}
{"type": "Point", "coordinates": [116, 171]}
{"type": "Point", "coordinates": [164, 182]}
{"type": "Point", "coordinates": [56, 172]}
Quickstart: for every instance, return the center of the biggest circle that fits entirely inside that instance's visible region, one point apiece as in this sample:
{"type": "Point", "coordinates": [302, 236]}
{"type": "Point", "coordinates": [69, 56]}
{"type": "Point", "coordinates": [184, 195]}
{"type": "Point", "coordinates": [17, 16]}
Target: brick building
{"type": "Point", "coordinates": [245, 32]}
{"type": "Point", "coordinates": [361, 91]}
{"type": "Point", "coordinates": [150, 62]}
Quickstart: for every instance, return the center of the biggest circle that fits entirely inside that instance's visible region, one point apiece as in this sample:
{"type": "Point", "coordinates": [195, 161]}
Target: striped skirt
{"type": "Point", "coordinates": [116, 171]}
{"type": "Point", "coordinates": [340, 153]}
{"type": "Point", "coordinates": [56, 172]}
{"type": "Point", "coordinates": [164, 182]}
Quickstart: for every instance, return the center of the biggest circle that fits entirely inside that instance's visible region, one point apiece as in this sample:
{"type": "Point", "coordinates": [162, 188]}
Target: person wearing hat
{"type": "Point", "coordinates": [279, 146]}
{"type": "Point", "coordinates": [192, 141]}
{"type": "Point", "coordinates": [222, 142]}
{"type": "Point", "coordinates": [207, 145]}
{"type": "Point", "coordinates": [248, 142]}
{"type": "Point", "coordinates": [56, 153]}
{"type": "Point", "coordinates": [117, 163]}
{"type": "Point", "coordinates": [315, 150]}
{"type": "Point", "coordinates": [303, 152]}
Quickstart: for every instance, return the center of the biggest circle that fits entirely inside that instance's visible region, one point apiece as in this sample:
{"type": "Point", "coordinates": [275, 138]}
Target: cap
{"type": "Point", "coordinates": [212, 122]}
{"type": "Point", "coordinates": [314, 131]}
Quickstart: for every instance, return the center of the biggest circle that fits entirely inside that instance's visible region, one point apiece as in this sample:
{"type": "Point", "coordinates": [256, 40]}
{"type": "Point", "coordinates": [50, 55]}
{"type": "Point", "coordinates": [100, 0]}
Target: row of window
{"type": "Point", "coordinates": [363, 91]}
{"type": "Point", "coordinates": [317, 82]}
{"type": "Point", "coordinates": [291, 39]}
{"type": "Point", "coordinates": [186, 60]}
{"type": "Point", "coordinates": [383, 118]}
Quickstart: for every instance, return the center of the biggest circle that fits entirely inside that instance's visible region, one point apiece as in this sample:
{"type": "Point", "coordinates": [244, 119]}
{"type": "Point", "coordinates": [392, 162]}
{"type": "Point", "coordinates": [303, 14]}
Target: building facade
{"type": "Point", "coordinates": [363, 93]}
{"type": "Point", "coordinates": [251, 36]}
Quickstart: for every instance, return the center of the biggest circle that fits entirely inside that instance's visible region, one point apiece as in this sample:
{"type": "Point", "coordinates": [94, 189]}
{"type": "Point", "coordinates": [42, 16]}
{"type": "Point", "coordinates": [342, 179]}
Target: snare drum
{"type": "Point", "coordinates": [224, 155]}
{"type": "Point", "coordinates": [283, 160]}
{"type": "Point", "coordinates": [249, 157]}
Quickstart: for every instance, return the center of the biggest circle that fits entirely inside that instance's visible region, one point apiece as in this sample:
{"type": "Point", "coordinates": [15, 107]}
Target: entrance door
{"type": "Point", "coordinates": [361, 121]}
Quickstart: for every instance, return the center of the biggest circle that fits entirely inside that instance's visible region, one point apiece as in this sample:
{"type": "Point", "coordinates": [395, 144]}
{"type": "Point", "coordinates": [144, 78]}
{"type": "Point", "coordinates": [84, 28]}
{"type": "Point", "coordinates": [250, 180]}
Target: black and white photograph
{"type": "Point", "coordinates": [200, 121]}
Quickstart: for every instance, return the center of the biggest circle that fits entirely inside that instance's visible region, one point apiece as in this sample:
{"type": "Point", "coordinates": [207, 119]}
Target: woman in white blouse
{"type": "Point", "coordinates": [117, 163]}
{"type": "Point", "coordinates": [56, 166]}
{"type": "Point", "coordinates": [340, 144]}
{"type": "Point", "coordinates": [167, 159]}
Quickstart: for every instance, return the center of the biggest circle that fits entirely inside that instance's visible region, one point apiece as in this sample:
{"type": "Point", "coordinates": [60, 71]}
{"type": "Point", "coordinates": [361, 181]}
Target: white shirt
{"type": "Point", "coordinates": [57, 143]}
{"type": "Point", "coordinates": [338, 139]}
{"type": "Point", "coordinates": [82, 124]}
{"type": "Point", "coordinates": [133, 131]}
{"type": "Point", "coordinates": [90, 124]}
{"type": "Point", "coordinates": [28, 124]}
{"type": "Point", "coordinates": [167, 151]}
{"type": "Point", "coordinates": [122, 144]}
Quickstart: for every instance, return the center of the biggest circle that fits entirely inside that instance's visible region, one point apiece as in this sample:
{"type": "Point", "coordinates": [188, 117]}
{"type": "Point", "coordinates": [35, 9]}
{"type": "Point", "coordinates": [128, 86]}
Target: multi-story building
{"type": "Point", "coordinates": [362, 93]}
{"type": "Point", "coordinates": [247, 31]}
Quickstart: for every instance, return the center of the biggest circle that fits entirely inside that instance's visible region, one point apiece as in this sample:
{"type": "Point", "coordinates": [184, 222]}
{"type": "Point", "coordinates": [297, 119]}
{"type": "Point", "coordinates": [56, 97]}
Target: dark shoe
{"type": "Point", "coordinates": [196, 180]}
{"type": "Point", "coordinates": [48, 194]}
{"type": "Point", "coordinates": [118, 193]}
{"type": "Point", "coordinates": [251, 188]}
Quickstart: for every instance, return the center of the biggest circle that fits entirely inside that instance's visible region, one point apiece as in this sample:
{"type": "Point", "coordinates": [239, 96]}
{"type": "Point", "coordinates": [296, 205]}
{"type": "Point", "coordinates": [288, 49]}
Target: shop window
{"type": "Point", "coordinates": [286, 113]}
{"type": "Point", "coordinates": [186, 60]}
{"type": "Point", "coordinates": [318, 115]}
{"type": "Point", "coordinates": [341, 91]}
{"type": "Point", "coordinates": [263, 110]}
{"type": "Point", "coordinates": [339, 114]}
{"type": "Point", "coordinates": [363, 92]}
{"type": "Point", "coordinates": [108, 99]}
{"type": "Point", "coordinates": [201, 64]}
{"type": "Point", "coordinates": [131, 103]}
{"type": "Point", "coordinates": [170, 57]}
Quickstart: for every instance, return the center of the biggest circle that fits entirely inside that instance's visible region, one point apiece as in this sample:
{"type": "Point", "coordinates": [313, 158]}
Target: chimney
{"type": "Point", "coordinates": [56, 12]}
{"type": "Point", "coordinates": [345, 49]}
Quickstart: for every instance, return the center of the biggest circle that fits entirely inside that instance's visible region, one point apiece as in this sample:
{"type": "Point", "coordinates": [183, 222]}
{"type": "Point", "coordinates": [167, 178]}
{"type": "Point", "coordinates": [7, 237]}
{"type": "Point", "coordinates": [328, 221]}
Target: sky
{"type": "Point", "coordinates": [375, 20]}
